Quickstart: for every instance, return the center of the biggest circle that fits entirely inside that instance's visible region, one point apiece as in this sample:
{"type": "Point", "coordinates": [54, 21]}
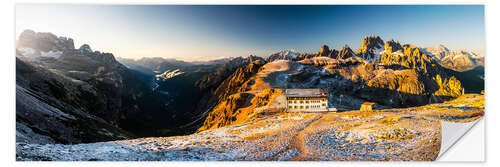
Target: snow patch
{"type": "Point", "coordinates": [288, 53]}
{"type": "Point", "coordinates": [169, 74]}
{"type": "Point", "coordinates": [27, 51]}
{"type": "Point", "coordinates": [54, 54]}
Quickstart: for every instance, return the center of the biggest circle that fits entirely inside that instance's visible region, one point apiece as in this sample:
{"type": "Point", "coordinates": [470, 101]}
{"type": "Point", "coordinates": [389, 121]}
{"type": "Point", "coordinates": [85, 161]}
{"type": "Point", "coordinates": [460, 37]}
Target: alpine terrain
{"type": "Point", "coordinates": [79, 104]}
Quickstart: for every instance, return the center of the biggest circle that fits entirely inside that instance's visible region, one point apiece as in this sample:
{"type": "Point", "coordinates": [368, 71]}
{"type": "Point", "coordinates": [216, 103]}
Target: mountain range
{"type": "Point", "coordinates": [73, 95]}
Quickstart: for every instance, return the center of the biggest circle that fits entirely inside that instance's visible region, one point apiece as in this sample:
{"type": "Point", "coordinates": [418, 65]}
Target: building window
{"type": "Point", "coordinates": [290, 107]}
{"type": "Point", "coordinates": [323, 104]}
{"type": "Point", "coordinates": [301, 102]}
{"type": "Point", "coordinates": [290, 101]}
{"type": "Point", "coordinates": [301, 107]}
{"type": "Point", "coordinates": [307, 107]}
{"type": "Point", "coordinates": [307, 101]}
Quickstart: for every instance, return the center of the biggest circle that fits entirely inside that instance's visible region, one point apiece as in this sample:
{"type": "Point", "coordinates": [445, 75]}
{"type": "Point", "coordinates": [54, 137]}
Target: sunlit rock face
{"type": "Point", "coordinates": [345, 53]}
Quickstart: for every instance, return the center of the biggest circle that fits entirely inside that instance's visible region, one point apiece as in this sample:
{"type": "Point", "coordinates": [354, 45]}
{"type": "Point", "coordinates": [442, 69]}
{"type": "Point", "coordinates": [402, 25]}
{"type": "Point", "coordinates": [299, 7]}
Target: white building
{"type": "Point", "coordinates": [306, 99]}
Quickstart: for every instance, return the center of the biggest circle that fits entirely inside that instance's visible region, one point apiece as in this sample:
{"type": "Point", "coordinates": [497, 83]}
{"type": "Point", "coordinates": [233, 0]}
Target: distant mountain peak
{"type": "Point", "coordinates": [458, 60]}
{"type": "Point", "coordinates": [287, 54]}
{"type": "Point", "coordinates": [290, 51]}
{"type": "Point", "coordinates": [44, 41]}
{"type": "Point", "coordinates": [85, 48]}
{"type": "Point", "coordinates": [441, 47]}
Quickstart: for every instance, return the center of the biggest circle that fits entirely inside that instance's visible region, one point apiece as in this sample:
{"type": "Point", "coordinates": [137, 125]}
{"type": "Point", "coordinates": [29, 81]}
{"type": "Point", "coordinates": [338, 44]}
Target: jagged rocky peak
{"type": "Point", "coordinates": [85, 48]}
{"type": "Point", "coordinates": [371, 48]}
{"type": "Point", "coordinates": [392, 46]}
{"type": "Point", "coordinates": [253, 59]}
{"type": "Point", "coordinates": [325, 50]}
{"type": "Point", "coordinates": [44, 41]}
{"type": "Point", "coordinates": [242, 61]}
{"type": "Point", "coordinates": [370, 44]}
{"type": "Point", "coordinates": [106, 58]}
{"type": "Point", "coordinates": [345, 53]}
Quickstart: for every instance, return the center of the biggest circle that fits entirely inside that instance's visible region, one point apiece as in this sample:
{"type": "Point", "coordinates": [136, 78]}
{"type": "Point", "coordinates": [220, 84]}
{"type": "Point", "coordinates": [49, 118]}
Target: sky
{"type": "Point", "coordinates": [199, 33]}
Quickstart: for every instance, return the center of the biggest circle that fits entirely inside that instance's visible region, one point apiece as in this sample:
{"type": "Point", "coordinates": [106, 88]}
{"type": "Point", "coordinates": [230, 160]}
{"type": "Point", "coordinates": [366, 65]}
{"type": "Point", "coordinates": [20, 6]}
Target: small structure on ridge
{"type": "Point", "coordinates": [367, 106]}
{"type": "Point", "coordinates": [315, 100]}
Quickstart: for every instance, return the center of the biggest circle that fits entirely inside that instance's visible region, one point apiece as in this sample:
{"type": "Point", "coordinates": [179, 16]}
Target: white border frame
{"type": "Point", "coordinates": [7, 100]}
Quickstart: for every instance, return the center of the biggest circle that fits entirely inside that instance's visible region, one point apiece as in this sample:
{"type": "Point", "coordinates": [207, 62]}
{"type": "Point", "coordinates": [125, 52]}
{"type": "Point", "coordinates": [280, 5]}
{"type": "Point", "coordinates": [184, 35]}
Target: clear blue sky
{"type": "Point", "coordinates": [208, 32]}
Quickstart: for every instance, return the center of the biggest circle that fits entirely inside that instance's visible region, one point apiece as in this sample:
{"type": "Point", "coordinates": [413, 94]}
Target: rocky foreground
{"type": "Point", "coordinates": [389, 134]}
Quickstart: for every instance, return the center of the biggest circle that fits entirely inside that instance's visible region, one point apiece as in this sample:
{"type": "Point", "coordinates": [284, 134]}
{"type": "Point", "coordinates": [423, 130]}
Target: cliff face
{"type": "Point", "coordinates": [51, 108]}
{"type": "Point", "coordinates": [226, 80]}
{"type": "Point", "coordinates": [448, 86]}
{"type": "Point", "coordinates": [345, 53]}
{"type": "Point", "coordinates": [370, 47]}
{"type": "Point", "coordinates": [408, 56]}
{"type": "Point", "coordinates": [44, 42]}
{"type": "Point", "coordinates": [404, 81]}
{"type": "Point", "coordinates": [428, 69]}
{"type": "Point", "coordinates": [392, 46]}
{"type": "Point", "coordinates": [228, 96]}
{"type": "Point", "coordinates": [240, 108]}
